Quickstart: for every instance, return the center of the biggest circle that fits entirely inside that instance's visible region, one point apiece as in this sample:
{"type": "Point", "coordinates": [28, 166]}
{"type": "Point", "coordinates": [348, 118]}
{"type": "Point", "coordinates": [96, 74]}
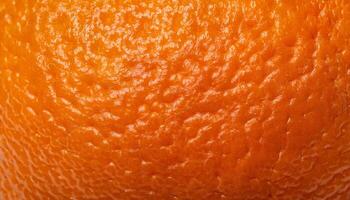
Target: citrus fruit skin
{"type": "Point", "coordinates": [182, 100]}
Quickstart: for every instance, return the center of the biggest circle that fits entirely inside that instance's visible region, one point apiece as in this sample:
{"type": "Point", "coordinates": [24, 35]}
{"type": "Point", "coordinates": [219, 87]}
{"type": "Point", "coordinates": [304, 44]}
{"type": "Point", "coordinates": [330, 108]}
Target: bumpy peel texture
{"type": "Point", "coordinates": [183, 100]}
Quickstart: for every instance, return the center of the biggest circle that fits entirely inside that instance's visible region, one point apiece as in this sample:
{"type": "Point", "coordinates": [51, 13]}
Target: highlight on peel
{"type": "Point", "coordinates": [186, 100]}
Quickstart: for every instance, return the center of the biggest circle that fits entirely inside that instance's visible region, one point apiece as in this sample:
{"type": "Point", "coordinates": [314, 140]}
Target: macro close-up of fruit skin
{"type": "Point", "coordinates": [175, 100]}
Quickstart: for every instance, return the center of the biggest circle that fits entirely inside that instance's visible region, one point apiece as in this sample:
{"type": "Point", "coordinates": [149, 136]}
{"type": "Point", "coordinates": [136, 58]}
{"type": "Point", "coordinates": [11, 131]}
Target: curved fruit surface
{"type": "Point", "coordinates": [183, 100]}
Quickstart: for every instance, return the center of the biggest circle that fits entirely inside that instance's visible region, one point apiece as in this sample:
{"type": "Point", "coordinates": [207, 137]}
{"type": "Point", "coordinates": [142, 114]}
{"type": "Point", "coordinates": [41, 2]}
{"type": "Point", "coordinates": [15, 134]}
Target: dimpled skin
{"type": "Point", "coordinates": [175, 100]}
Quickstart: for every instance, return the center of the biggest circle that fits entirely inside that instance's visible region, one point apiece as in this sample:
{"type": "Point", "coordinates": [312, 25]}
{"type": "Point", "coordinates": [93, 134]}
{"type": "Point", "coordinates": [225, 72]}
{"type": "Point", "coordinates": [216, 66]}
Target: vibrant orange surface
{"type": "Point", "coordinates": [174, 100]}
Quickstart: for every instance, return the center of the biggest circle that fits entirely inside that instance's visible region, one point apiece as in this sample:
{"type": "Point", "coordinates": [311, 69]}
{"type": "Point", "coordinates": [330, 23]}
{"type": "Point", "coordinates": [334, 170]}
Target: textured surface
{"type": "Point", "coordinates": [165, 100]}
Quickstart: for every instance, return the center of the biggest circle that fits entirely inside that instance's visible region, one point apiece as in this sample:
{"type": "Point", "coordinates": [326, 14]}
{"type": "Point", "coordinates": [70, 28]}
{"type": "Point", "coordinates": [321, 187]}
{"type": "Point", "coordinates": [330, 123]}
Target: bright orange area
{"type": "Point", "coordinates": [175, 100]}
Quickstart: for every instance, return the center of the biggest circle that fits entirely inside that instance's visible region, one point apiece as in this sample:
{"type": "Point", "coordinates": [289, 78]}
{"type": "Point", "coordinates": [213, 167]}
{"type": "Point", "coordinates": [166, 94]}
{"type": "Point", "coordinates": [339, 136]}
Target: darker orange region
{"type": "Point", "coordinates": [174, 100]}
